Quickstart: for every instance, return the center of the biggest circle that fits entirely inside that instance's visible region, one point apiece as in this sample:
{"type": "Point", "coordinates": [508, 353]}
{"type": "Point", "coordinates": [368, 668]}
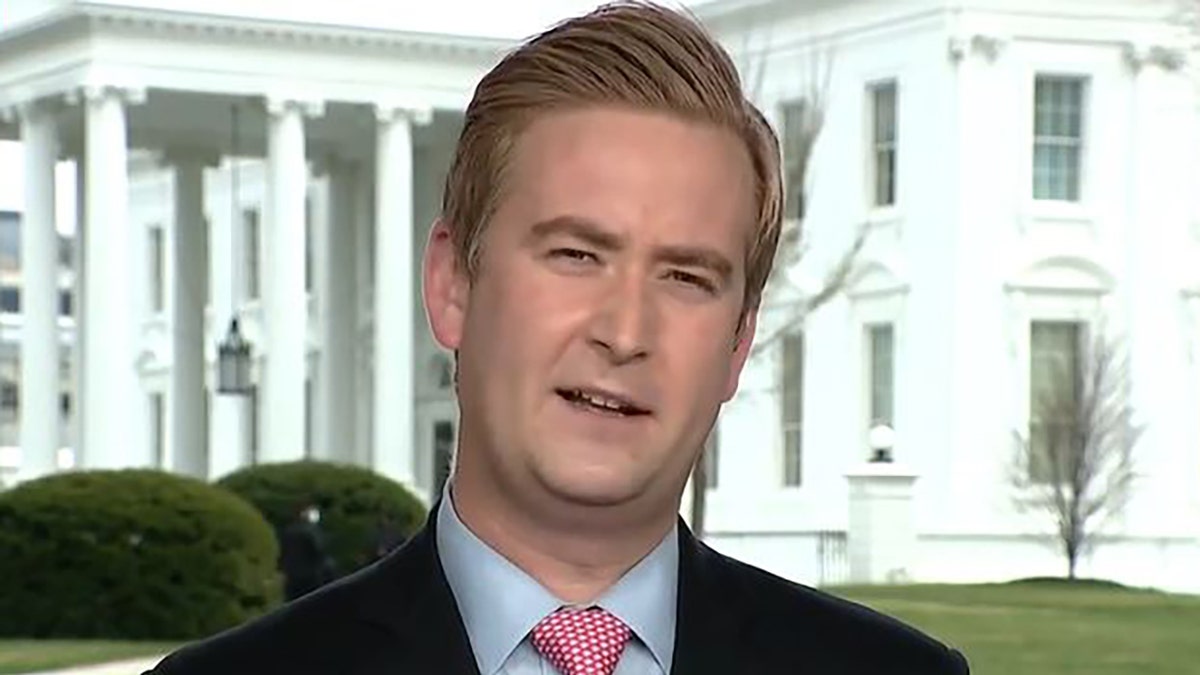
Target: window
{"type": "Point", "coordinates": [205, 442]}
{"type": "Point", "coordinates": [158, 435]}
{"type": "Point", "coordinates": [10, 401]}
{"type": "Point", "coordinates": [711, 459]}
{"type": "Point", "coordinates": [308, 244]}
{"type": "Point", "coordinates": [10, 299]}
{"type": "Point", "coordinates": [443, 453]}
{"type": "Point", "coordinates": [799, 133]}
{"type": "Point", "coordinates": [253, 415]}
{"type": "Point", "coordinates": [881, 347]}
{"type": "Point", "coordinates": [1058, 113]}
{"type": "Point", "coordinates": [792, 399]}
{"type": "Point", "coordinates": [65, 303]}
{"type": "Point", "coordinates": [10, 241]}
{"type": "Point", "coordinates": [883, 143]}
{"type": "Point", "coordinates": [157, 258]}
{"type": "Point", "coordinates": [372, 255]}
{"type": "Point", "coordinates": [250, 246]}
{"type": "Point", "coordinates": [308, 418]}
{"type": "Point", "coordinates": [1054, 372]}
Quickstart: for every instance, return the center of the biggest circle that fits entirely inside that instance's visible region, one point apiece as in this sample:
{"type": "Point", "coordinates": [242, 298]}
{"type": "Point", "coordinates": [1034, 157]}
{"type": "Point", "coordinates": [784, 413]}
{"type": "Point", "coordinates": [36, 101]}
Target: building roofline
{"type": "Point", "coordinates": [259, 29]}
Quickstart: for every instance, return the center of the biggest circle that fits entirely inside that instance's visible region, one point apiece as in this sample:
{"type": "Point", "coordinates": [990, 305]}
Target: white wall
{"type": "Point", "coordinates": [962, 265]}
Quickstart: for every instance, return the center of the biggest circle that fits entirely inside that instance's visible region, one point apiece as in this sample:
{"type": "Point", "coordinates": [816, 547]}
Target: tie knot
{"type": "Point", "coordinates": [582, 641]}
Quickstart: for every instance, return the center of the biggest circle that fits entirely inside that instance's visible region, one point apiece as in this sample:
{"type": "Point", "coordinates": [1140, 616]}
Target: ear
{"type": "Point", "coordinates": [743, 340]}
{"type": "Point", "coordinates": [445, 288]}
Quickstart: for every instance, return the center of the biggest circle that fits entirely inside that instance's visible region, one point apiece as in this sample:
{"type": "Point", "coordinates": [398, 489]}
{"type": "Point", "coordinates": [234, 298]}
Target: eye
{"type": "Point", "coordinates": [573, 255]}
{"type": "Point", "coordinates": [693, 280]}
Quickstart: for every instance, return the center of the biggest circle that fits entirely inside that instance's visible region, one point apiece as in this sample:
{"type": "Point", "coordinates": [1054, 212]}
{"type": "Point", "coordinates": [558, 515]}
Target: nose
{"type": "Point", "coordinates": [624, 323]}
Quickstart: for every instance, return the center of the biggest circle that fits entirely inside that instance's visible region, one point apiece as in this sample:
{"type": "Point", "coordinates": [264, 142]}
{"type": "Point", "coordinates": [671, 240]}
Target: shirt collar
{"type": "Point", "coordinates": [500, 603]}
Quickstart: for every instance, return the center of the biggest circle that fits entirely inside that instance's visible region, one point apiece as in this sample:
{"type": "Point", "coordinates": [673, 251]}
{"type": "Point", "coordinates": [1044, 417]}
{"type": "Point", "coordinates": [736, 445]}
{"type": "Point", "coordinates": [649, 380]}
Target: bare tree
{"type": "Point", "coordinates": [1075, 464]}
{"type": "Point", "coordinates": [803, 122]}
{"type": "Point", "coordinates": [798, 137]}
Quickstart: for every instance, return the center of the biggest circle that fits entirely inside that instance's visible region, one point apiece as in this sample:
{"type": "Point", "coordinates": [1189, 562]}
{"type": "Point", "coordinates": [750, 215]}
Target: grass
{"type": "Point", "coordinates": [27, 656]}
{"type": "Point", "coordinates": [1045, 627]}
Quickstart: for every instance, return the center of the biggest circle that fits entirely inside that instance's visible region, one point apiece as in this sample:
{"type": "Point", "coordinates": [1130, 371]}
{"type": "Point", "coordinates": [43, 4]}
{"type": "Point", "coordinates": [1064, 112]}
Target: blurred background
{"type": "Point", "coordinates": [974, 399]}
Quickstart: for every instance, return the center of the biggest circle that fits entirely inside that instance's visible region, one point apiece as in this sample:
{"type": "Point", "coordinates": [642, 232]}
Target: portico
{"type": "Point", "coordinates": [217, 182]}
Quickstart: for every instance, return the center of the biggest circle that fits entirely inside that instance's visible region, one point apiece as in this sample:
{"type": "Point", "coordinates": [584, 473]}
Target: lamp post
{"type": "Point", "coordinates": [881, 438]}
{"type": "Point", "coordinates": [234, 352]}
{"type": "Point", "coordinates": [233, 363]}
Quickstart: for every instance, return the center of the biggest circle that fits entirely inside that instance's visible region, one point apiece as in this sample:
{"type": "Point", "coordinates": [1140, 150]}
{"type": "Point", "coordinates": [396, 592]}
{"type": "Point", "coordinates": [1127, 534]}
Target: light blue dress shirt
{"type": "Point", "coordinates": [500, 604]}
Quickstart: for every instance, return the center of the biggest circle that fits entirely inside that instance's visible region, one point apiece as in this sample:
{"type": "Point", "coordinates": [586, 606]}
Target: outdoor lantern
{"type": "Point", "coordinates": [233, 363]}
{"type": "Point", "coordinates": [881, 438]}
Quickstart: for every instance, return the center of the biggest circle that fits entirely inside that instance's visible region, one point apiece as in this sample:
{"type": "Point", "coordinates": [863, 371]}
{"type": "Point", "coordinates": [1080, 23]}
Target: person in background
{"type": "Point", "coordinates": [303, 555]}
{"type": "Point", "coordinates": [609, 222]}
{"type": "Point", "coordinates": [388, 537]}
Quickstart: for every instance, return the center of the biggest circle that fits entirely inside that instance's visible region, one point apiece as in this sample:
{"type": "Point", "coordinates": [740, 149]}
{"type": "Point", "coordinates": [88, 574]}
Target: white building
{"type": "Point", "coordinates": [1025, 168]}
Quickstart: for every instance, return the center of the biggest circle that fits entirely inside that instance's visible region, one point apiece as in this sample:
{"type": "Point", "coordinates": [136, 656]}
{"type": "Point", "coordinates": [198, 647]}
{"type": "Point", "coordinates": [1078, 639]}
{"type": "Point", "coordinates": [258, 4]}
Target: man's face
{"type": "Point", "coordinates": [601, 333]}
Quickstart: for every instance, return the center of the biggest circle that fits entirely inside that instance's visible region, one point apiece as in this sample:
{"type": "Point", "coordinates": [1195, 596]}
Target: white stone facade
{"type": "Point", "coordinates": [345, 134]}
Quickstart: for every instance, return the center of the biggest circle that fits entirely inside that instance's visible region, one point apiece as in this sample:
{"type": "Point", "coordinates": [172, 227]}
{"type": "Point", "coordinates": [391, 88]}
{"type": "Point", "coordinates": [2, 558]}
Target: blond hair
{"type": "Point", "coordinates": [632, 54]}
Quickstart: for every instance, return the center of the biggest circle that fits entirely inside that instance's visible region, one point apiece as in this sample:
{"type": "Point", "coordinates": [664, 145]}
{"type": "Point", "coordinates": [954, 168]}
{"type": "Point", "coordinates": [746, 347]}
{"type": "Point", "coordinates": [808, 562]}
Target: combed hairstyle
{"type": "Point", "coordinates": [636, 55]}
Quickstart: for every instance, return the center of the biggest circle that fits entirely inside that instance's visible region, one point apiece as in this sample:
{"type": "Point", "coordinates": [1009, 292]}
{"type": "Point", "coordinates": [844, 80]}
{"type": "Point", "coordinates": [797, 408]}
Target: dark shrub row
{"type": "Point", "coordinates": [139, 554]}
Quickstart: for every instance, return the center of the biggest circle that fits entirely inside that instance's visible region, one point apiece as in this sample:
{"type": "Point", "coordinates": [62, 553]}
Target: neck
{"type": "Point", "coordinates": [575, 555]}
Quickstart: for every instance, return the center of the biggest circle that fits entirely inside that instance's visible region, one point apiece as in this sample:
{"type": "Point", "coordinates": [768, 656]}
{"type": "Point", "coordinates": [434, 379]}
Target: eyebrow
{"type": "Point", "coordinates": [594, 234]}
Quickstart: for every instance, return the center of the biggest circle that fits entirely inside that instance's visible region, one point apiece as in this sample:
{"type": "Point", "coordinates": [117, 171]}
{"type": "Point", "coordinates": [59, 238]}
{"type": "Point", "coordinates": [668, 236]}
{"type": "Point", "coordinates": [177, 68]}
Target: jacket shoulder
{"type": "Point", "coordinates": [323, 632]}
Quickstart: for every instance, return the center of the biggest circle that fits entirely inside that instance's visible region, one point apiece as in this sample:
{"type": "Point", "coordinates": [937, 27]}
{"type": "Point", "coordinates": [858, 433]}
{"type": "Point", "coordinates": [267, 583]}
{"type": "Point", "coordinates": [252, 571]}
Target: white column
{"type": "Point", "coordinates": [39, 296]}
{"type": "Point", "coordinates": [336, 304]}
{"type": "Point", "coordinates": [189, 259]}
{"type": "Point", "coordinates": [115, 410]}
{"type": "Point", "coordinates": [364, 327]}
{"type": "Point", "coordinates": [285, 301]}
{"type": "Point", "coordinates": [228, 448]}
{"type": "Point", "coordinates": [394, 293]}
{"type": "Point", "coordinates": [1158, 259]}
{"type": "Point", "coordinates": [77, 304]}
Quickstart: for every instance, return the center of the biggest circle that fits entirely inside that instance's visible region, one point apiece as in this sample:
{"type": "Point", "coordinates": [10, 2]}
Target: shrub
{"type": "Point", "coordinates": [131, 554]}
{"type": "Point", "coordinates": [353, 501]}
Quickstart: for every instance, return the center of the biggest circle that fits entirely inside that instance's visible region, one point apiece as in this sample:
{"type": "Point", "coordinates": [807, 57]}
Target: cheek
{"type": "Point", "coordinates": [700, 354]}
{"type": "Point", "coordinates": [519, 325]}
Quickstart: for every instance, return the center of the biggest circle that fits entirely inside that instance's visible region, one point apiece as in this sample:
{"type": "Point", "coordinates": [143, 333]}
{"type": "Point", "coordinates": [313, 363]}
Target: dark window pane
{"type": "Point", "coordinates": [10, 299]}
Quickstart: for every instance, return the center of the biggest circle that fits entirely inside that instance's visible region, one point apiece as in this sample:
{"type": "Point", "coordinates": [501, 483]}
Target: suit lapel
{"type": "Point", "coordinates": [409, 596]}
{"type": "Point", "coordinates": [709, 624]}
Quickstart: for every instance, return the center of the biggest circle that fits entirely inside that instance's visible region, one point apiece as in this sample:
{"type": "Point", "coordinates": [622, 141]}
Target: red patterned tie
{"type": "Point", "coordinates": [582, 641]}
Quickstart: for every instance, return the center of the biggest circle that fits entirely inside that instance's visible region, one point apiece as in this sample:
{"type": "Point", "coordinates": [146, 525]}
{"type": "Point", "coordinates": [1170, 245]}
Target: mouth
{"type": "Point", "coordinates": [603, 402]}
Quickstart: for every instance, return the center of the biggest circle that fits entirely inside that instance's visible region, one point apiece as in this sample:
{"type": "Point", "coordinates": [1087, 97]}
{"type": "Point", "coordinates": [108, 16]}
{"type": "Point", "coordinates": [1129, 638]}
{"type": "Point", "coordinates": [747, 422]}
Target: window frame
{"type": "Point", "coordinates": [792, 429]}
{"type": "Point", "coordinates": [156, 263]}
{"type": "Point", "coordinates": [878, 147]}
{"type": "Point", "coordinates": [1074, 194]}
{"type": "Point", "coordinates": [1040, 474]}
{"type": "Point", "coordinates": [869, 340]}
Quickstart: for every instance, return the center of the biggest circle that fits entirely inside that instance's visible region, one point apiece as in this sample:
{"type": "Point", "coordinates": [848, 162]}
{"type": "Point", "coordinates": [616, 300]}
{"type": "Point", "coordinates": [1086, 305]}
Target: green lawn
{"type": "Point", "coordinates": [24, 656]}
{"type": "Point", "coordinates": [1047, 628]}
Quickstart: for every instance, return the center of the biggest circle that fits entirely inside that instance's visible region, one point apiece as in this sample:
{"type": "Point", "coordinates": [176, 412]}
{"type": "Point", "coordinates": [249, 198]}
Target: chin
{"type": "Point", "coordinates": [592, 488]}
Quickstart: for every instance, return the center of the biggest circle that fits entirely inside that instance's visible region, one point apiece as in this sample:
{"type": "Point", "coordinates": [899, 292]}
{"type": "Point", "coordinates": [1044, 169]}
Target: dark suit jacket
{"type": "Point", "coordinates": [399, 617]}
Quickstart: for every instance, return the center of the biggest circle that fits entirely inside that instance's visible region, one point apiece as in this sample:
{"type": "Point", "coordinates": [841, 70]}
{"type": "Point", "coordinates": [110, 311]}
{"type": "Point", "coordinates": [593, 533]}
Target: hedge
{"type": "Point", "coordinates": [352, 500]}
{"type": "Point", "coordinates": [132, 554]}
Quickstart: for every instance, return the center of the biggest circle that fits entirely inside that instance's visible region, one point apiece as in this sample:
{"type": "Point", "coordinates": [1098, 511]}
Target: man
{"type": "Point", "coordinates": [303, 556]}
{"type": "Point", "coordinates": [388, 537]}
{"type": "Point", "coordinates": [608, 224]}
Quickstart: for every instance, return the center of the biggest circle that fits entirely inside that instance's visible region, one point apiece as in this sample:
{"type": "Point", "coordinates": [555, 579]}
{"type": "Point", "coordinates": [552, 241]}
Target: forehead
{"type": "Point", "coordinates": [650, 174]}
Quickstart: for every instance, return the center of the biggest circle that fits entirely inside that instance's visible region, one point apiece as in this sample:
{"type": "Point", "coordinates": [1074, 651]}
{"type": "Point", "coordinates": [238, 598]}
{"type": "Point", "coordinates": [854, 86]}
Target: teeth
{"type": "Point", "coordinates": [600, 402]}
